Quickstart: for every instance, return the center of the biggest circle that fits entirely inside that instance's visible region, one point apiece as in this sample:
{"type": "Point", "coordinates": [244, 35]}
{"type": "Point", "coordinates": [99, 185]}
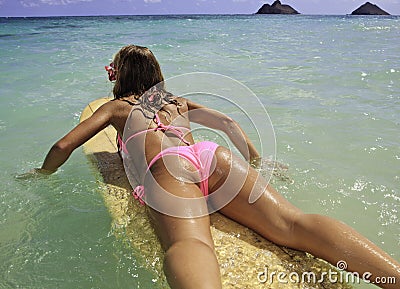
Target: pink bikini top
{"type": "Point", "coordinates": [176, 130]}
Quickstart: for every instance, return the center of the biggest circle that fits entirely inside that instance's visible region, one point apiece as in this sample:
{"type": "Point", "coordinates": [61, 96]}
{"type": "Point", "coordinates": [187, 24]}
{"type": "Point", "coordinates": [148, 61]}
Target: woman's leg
{"type": "Point", "coordinates": [190, 260]}
{"type": "Point", "coordinates": [273, 217]}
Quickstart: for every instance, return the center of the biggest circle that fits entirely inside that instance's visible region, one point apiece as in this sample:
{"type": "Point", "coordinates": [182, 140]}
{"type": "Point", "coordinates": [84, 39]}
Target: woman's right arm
{"type": "Point", "coordinates": [63, 148]}
{"type": "Point", "coordinates": [217, 120]}
{"type": "Point", "coordinates": [85, 130]}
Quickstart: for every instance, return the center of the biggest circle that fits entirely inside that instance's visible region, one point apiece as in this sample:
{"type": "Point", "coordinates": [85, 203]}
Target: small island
{"type": "Point", "coordinates": [276, 8]}
{"type": "Point", "coordinates": [369, 9]}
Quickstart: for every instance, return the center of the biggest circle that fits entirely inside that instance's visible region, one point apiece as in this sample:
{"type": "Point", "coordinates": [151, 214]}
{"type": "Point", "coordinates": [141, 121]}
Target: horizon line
{"type": "Point", "coordinates": [186, 14]}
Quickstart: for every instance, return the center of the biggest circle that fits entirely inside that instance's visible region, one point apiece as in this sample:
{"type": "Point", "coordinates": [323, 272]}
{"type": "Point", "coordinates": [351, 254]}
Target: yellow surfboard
{"type": "Point", "coordinates": [246, 259]}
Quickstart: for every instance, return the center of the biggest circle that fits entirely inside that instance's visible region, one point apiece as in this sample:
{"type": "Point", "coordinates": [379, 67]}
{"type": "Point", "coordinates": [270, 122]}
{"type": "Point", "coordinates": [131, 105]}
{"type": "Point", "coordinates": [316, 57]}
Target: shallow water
{"type": "Point", "coordinates": [330, 85]}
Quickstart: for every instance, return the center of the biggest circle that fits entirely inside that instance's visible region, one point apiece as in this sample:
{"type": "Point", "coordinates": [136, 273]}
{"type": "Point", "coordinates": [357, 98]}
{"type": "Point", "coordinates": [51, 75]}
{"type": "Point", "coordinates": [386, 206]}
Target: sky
{"type": "Point", "coordinates": [159, 7]}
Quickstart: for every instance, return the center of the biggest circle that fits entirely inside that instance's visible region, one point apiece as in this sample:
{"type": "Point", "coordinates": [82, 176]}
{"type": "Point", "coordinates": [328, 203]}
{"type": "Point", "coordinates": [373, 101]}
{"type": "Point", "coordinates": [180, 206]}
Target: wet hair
{"type": "Point", "coordinates": [137, 71]}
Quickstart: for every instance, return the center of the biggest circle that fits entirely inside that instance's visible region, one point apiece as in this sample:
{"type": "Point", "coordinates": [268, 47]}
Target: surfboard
{"type": "Point", "coordinates": [246, 259]}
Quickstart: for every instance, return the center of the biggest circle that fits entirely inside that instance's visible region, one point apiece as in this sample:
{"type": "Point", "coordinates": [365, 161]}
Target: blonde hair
{"type": "Point", "coordinates": [137, 70]}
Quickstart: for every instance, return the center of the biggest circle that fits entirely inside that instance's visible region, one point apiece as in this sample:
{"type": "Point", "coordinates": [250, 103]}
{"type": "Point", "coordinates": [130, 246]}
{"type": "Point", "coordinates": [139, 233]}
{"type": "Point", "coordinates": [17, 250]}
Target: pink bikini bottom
{"type": "Point", "coordinates": [200, 155]}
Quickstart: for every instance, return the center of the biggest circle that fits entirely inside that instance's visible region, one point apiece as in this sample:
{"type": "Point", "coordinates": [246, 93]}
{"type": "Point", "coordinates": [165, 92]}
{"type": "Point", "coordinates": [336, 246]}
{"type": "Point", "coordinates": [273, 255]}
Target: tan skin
{"type": "Point", "coordinates": [188, 244]}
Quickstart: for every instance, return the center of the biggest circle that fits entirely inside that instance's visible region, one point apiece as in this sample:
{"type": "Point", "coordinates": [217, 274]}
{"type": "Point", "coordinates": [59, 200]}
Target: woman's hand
{"type": "Point", "coordinates": [35, 173]}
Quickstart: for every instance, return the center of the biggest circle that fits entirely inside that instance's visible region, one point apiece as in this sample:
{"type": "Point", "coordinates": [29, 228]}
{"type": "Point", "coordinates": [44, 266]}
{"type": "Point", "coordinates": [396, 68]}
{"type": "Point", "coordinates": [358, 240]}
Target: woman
{"type": "Point", "coordinates": [179, 179]}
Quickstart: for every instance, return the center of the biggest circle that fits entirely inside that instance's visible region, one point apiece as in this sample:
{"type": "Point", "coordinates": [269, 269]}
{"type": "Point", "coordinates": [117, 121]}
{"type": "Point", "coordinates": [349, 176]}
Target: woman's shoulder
{"type": "Point", "coordinates": [181, 101]}
{"type": "Point", "coordinates": [115, 108]}
{"type": "Point", "coordinates": [110, 105]}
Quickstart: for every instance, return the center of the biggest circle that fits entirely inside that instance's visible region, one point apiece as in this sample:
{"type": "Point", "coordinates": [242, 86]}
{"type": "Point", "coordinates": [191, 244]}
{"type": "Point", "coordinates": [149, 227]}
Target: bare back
{"type": "Point", "coordinates": [141, 134]}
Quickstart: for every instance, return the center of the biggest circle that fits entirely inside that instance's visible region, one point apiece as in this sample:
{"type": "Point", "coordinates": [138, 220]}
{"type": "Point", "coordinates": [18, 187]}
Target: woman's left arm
{"type": "Point", "coordinates": [217, 120]}
{"type": "Point", "coordinates": [85, 130]}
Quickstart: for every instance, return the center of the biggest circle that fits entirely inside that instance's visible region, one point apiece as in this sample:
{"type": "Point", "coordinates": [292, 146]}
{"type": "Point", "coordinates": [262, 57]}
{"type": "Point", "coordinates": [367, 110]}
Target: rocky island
{"type": "Point", "coordinates": [369, 9]}
{"type": "Point", "coordinates": [276, 8]}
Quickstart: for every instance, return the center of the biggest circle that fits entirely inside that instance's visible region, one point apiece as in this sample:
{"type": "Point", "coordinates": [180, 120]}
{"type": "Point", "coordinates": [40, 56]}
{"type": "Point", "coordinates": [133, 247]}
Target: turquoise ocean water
{"type": "Point", "coordinates": [331, 85]}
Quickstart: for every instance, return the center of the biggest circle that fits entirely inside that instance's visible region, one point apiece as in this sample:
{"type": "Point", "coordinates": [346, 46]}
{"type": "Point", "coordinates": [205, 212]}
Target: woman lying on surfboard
{"type": "Point", "coordinates": [180, 180]}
